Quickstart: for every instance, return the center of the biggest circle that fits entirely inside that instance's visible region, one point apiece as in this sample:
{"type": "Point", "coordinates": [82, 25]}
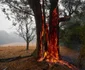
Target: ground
{"type": "Point", "coordinates": [13, 51]}
{"type": "Point", "coordinates": [29, 63]}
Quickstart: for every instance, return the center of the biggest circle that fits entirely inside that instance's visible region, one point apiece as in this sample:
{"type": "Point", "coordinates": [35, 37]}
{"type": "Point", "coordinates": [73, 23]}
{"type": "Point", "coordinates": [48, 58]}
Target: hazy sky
{"type": "Point", "coordinates": [5, 24]}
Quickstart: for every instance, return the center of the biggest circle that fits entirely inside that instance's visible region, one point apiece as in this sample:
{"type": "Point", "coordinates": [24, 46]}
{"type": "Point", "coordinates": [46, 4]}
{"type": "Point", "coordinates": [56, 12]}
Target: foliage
{"type": "Point", "coordinates": [72, 32]}
{"type": "Point", "coordinates": [73, 6]}
{"type": "Point", "coordinates": [73, 35]}
{"type": "Point", "coordinates": [82, 58]}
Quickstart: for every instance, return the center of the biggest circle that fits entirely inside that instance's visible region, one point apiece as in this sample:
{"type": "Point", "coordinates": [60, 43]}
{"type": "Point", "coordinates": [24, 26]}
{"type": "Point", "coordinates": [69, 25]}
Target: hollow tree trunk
{"type": "Point", "coordinates": [53, 35]}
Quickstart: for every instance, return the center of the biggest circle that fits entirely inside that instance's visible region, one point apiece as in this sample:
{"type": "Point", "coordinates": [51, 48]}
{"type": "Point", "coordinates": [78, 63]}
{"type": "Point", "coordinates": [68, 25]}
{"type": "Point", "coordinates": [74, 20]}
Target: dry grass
{"type": "Point", "coordinates": [13, 51]}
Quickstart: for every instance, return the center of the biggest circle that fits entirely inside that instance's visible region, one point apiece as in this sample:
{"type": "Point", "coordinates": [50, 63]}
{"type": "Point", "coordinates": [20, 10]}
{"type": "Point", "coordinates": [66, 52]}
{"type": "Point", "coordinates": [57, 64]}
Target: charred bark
{"type": "Point", "coordinates": [54, 25]}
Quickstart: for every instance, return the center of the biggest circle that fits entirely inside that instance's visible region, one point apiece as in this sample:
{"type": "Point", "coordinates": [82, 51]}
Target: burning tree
{"type": "Point", "coordinates": [48, 33]}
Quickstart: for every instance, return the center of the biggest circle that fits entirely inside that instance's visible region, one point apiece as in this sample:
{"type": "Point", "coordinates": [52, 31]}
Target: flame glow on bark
{"type": "Point", "coordinates": [49, 34]}
{"type": "Point", "coordinates": [51, 55]}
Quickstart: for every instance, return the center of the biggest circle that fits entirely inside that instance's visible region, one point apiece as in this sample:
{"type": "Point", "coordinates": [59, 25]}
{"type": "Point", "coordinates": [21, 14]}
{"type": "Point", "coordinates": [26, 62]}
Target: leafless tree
{"type": "Point", "coordinates": [26, 30]}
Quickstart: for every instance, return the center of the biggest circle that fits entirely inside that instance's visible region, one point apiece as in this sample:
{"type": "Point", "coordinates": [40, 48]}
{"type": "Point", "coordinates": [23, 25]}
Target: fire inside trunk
{"type": "Point", "coordinates": [49, 41]}
{"type": "Point", "coordinates": [52, 54]}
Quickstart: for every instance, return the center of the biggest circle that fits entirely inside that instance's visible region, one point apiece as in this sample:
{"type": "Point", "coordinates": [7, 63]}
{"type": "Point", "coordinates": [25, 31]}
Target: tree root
{"type": "Point", "coordinates": [13, 58]}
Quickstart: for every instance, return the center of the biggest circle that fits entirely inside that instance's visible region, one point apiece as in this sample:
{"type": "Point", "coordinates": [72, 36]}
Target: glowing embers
{"type": "Point", "coordinates": [50, 57]}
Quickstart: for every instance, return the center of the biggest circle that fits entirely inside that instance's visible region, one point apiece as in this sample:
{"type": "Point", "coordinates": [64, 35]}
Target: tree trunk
{"type": "Point", "coordinates": [27, 38]}
{"type": "Point", "coordinates": [27, 45]}
{"type": "Point", "coordinates": [36, 7]}
{"type": "Point", "coordinates": [53, 34]}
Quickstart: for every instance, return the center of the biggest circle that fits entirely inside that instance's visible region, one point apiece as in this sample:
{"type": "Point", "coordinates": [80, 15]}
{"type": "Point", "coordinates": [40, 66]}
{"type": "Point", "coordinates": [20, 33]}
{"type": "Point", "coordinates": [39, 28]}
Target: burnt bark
{"type": "Point", "coordinates": [54, 5]}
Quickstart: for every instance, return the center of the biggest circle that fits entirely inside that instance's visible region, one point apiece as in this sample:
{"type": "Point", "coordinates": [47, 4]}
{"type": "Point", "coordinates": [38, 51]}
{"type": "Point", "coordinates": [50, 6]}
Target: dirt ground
{"type": "Point", "coordinates": [29, 63]}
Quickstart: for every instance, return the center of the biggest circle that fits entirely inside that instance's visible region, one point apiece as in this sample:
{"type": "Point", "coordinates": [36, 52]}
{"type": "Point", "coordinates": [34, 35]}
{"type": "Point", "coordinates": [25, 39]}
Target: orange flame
{"type": "Point", "coordinates": [52, 53]}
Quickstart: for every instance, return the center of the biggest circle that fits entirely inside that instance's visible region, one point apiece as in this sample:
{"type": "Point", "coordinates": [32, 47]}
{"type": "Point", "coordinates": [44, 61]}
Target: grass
{"type": "Point", "coordinates": [13, 51]}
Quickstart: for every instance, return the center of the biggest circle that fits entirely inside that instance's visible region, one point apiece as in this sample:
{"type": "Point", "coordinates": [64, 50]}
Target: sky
{"type": "Point", "coordinates": [5, 24]}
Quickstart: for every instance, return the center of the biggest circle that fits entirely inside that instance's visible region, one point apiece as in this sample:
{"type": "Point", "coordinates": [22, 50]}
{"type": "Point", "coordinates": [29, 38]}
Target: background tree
{"type": "Point", "coordinates": [73, 7]}
{"type": "Point", "coordinates": [22, 17]}
{"type": "Point", "coordinates": [72, 32]}
{"type": "Point", "coordinates": [26, 30]}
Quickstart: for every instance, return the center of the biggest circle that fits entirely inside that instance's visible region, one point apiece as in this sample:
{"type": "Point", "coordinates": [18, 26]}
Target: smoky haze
{"type": "Point", "coordinates": [6, 38]}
